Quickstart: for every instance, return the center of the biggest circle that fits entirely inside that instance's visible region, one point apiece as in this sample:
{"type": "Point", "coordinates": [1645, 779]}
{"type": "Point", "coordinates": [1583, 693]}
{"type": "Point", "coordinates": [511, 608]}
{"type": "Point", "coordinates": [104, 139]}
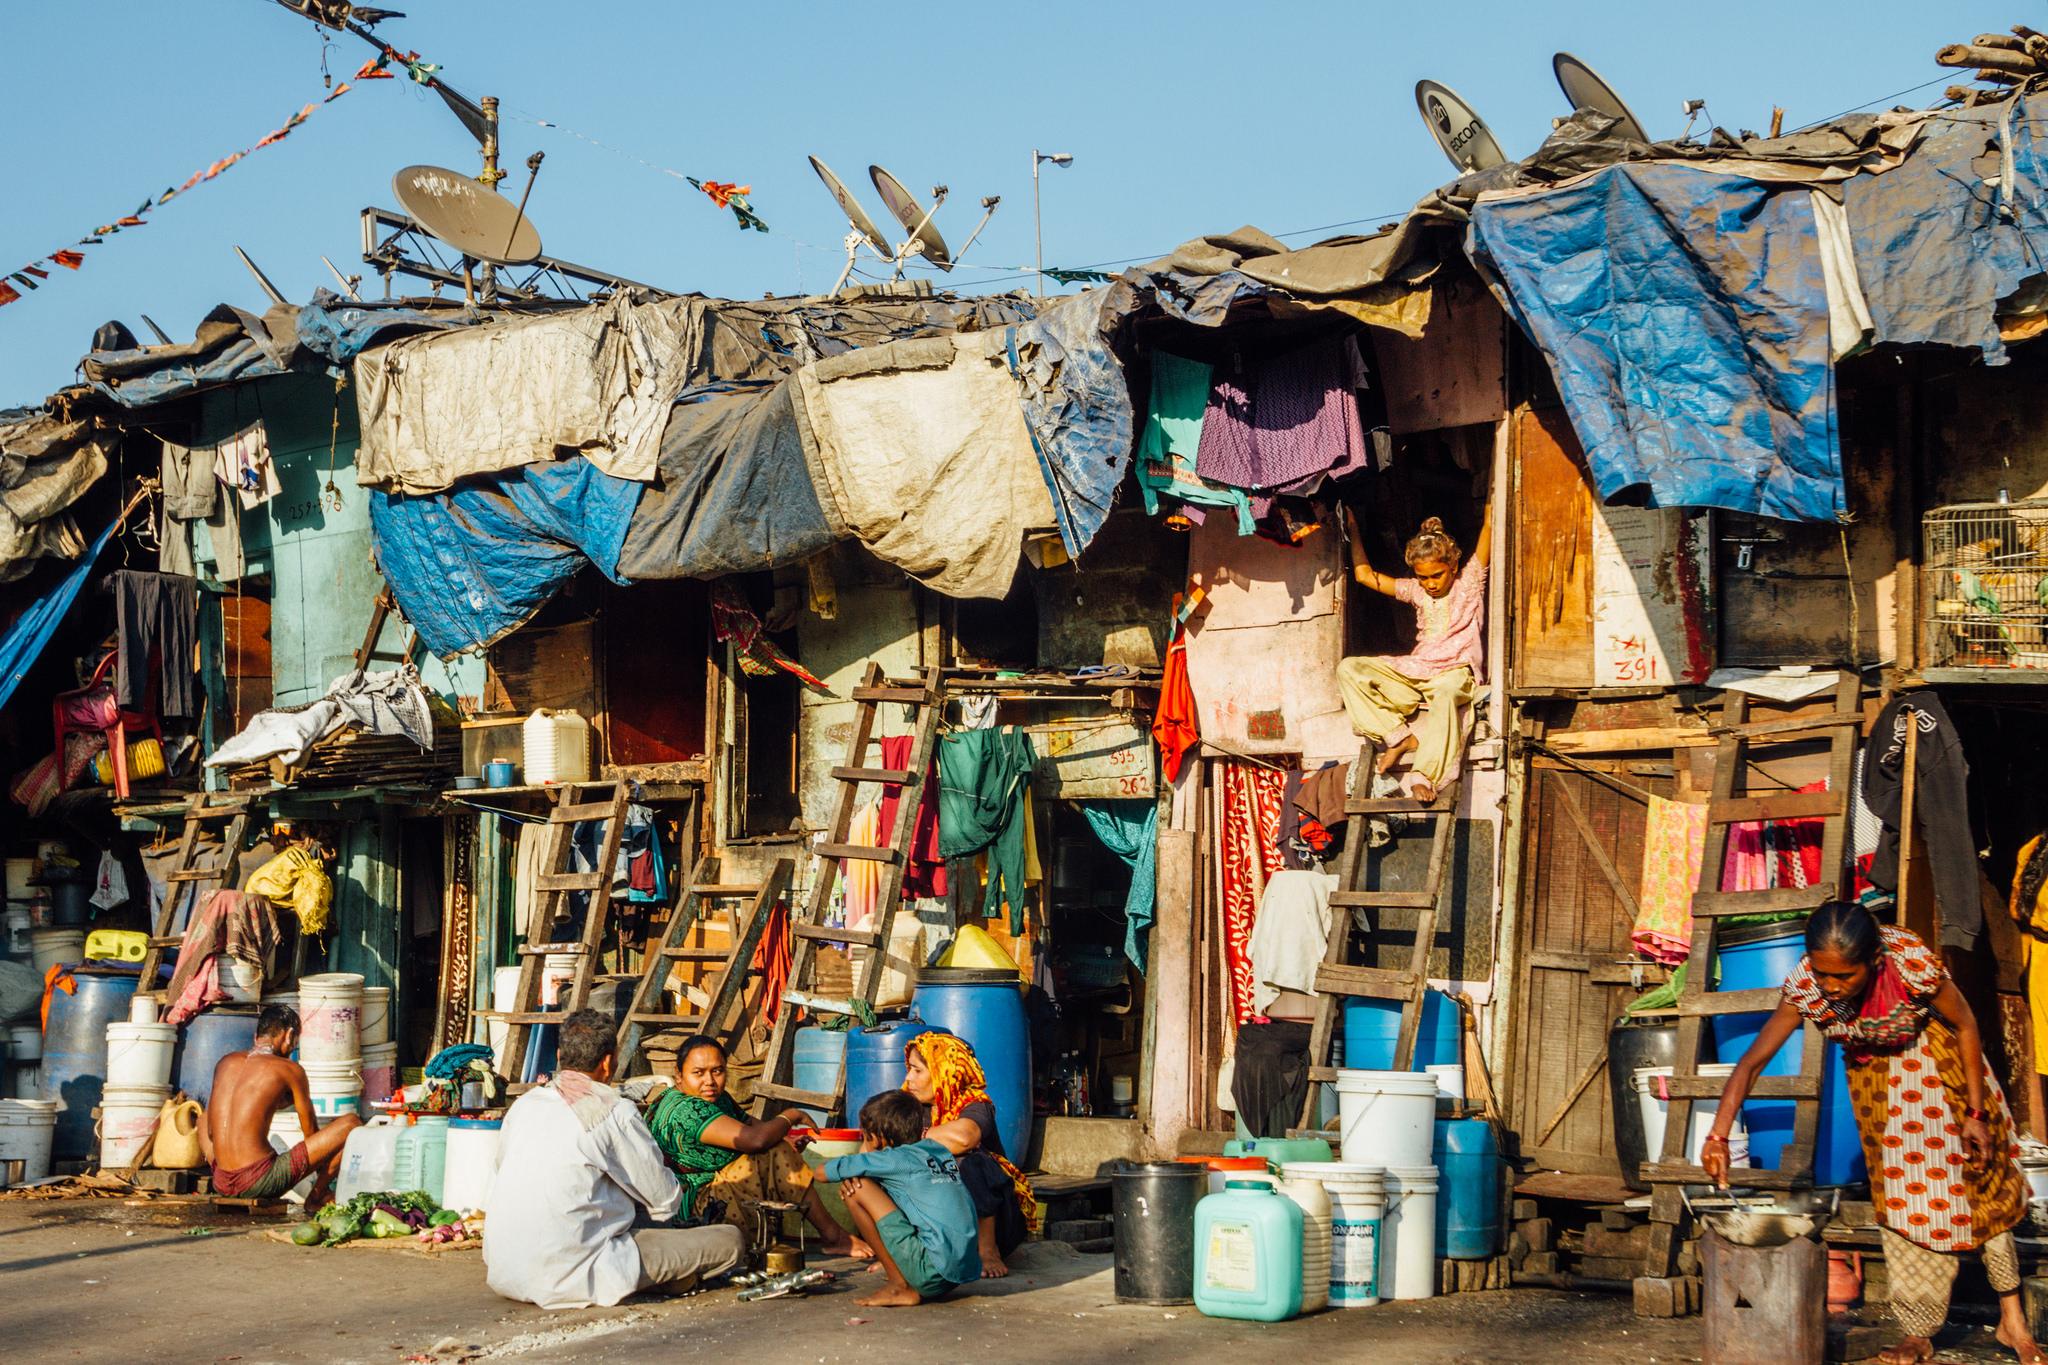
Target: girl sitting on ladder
{"type": "Point", "coordinates": [1409, 704]}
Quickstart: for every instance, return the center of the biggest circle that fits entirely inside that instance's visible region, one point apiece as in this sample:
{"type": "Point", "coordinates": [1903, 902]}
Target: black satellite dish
{"type": "Point", "coordinates": [1458, 129]}
{"type": "Point", "coordinates": [1584, 88]}
{"type": "Point", "coordinates": [467, 215]}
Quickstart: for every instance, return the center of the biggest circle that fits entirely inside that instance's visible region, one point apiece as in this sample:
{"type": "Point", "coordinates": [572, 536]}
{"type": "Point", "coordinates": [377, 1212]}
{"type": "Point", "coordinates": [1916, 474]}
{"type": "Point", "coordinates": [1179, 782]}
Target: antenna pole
{"type": "Point", "coordinates": [1037, 232]}
{"type": "Point", "coordinates": [490, 177]}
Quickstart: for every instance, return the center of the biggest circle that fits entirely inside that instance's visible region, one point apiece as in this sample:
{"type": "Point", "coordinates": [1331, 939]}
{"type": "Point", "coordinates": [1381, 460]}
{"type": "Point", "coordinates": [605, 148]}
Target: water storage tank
{"type": "Point", "coordinates": [556, 747]}
{"type": "Point", "coordinates": [986, 1007]}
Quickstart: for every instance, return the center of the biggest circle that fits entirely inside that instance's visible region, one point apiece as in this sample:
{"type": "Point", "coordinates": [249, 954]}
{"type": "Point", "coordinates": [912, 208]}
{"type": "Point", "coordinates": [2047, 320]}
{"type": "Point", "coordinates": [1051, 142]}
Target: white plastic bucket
{"type": "Point", "coordinates": [1386, 1118]}
{"type": "Point", "coordinates": [1408, 1242]}
{"type": "Point", "coordinates": [472, 1164]}
{"type": "Point", "coordinates": [28, 1083]}
{"type": "Point", "coordinates": [335, 1087]}
{"type": "Point", "coordinates": [140, 1055]}
{"type": "Point", "coordinates": [143, 1009]}
{"type": "Point", "coordinates": [504, 999]}
{"type": "Point", "coordinates": [330, 1018]}
{"type": "Point", "coordinates": [26, 1129]}
{"type": "Point", "coordinates": [16, 926]}
{"type": "Point", "coordinates": [242, 981]}
{"type": "Point", "coordinates": [1357, 1211]}
{"type": "Point", "coordinates": [376, 1021]}
{"type": "Point", "coordinates": [20, 876]}
{"type": "Point", "coordinates": [557, 970]}
{"type": "Point", "coordinates": [285, 1135]}
{"type": "Point", "coordinates": [127, 1118]}
{"type": "Point", "coordinates": [1314, 1201]}
{"type": "Point", "coordinates": [24, 1043]}
{"type": "Point", "coordinates": [1450, 1079]}
{"type": "Point", "coordinates": [2035, 1169]}
{"type": "Point", "coordinates": [56, 947]}
{"type": "Point", "coordinates": [380, 1071]}
{"type": "Point", "coordinates": [1653, 1101]}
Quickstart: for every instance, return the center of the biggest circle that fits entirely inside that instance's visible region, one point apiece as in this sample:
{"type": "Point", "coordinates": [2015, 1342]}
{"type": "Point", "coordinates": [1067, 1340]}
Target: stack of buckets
{"type": "Point", "coordinates": [138, 1083]}
{"type": "Point", "coordinates": [331, 1041]}
{"type": "Point", "coordinates": [28, 1122]}
{"type": "Point", "coordinates": [1388, 1125]}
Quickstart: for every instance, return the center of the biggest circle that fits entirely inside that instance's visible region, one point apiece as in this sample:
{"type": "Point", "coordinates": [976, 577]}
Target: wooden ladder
{"type": "Point", "coordinates": [744, 927]}
{"type": "Point", "coordinates": [189, 874]}
{"type": "Point", "coordinates": [553, 885]}
{"type": "Point", "coordinates": [924, 695]}
{"type": "Point", "coordinates": [1699, 1001]}
{"type": "Point", "coordinates": [1339, 976]}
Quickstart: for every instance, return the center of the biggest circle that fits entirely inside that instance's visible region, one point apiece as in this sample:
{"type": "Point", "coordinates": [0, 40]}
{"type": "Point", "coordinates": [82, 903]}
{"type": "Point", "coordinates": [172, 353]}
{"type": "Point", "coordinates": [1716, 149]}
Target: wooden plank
{"type": "Point", "coordinates": [576, 815]}
{"type": "Point", "coordinates": [1623, 741]}
{"type": "Point", "coordinates": [1383, 900]}
{"type": "Point", "coordinates": [1684, 1173]}
{"type": "Point", "coordinates": [1761, 1001]}
{"type": "Point", "coordinates": [1763, 1088]}
{"type": "Point", "coordinates": [1790, 725]}
{"type": "Point", "coordinates": [1552, 593]}
{"type": "Point", "coordinates": [860, 852]}
{"type": "Point", "coordinates": [1583, 1189]}
{"type": "Point", "coordinates": [1593, 1068]}
{"type": "Point", "coordinates": [1784, 806]}
{"type": "Point", "coordinates": [825, 933]}
{"type": "Point", "coordinates": [1594, 846]}
{"type": "Point", "coordinates": [894, 777]}
{"type": "Point", "coordinates": [1110, 759]}
{"type": "Point", "coordinates": [1777, 900]}
{"type": "Point", "coordinates": [570, 881]}
{"type": "Point", "coordinates": [543, 666]}
{"type": "Point", "coordinates": [806, 1099]}
{"type": "Point", "coordinates": [1377, 983]}
{"type": "Point", "coordinates": [914, 695]}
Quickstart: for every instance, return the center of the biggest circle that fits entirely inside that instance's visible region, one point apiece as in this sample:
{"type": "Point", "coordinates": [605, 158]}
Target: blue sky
{"type": "Point", "coordinates": [1182, 118]}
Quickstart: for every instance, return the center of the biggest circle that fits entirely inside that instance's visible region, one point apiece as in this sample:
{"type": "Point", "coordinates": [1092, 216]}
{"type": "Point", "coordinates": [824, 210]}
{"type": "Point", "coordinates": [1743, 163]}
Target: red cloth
{"type": "Point", "coordinates": [231, 1184]}
{"type": "Point", "coordinates": [1249, 839]}
{"type": "Point", "coordinates": [926, 873]}
{"type": "Point", "coordinates": [1174, 727]}
{"type": "Point", "coordinates": [241, 926]}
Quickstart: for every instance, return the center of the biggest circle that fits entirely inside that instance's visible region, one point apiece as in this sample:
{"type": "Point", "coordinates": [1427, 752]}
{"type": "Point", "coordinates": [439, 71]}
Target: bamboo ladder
{"type": "Point", "coordinates": [1339, 975]}
{"type": "Point", "coordinates": [924, 696]}
{"type": "Point", "coordinates": [744, 927]}
{"type": "Point", "coordinates": [188, 873]}
{"type": "Point", "coordinates": [574, 803]}
{"type": "Point", "coordinates": [1700, 1002]}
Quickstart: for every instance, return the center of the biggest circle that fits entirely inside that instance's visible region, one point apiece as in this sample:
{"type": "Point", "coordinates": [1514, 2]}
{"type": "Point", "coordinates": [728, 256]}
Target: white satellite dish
{"type": "Point", "coordinates": [1458, 129]}
{"type": "Point", "coordinates": [467, 215]}
{"type": "Point", "coordinates": [1584, 88]}
{"type": "Point", "coordinates": [924, 239]}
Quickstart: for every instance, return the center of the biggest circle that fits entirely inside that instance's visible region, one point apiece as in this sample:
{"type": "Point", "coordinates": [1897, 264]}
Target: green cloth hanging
{"type": "Point", "coordinates": [981, 806]}
{"type": "Point", "coordinates": [1171, 436]}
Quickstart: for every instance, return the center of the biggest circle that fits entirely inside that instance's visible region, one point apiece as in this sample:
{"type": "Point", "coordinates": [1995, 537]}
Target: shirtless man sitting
{"type": "Point", "coordinates": [248, 1088]}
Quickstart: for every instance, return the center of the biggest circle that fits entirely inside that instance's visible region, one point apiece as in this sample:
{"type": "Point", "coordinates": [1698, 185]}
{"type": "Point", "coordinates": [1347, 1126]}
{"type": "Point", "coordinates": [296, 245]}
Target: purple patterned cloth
{"type": "Point", "coordinates": [1284, 421]}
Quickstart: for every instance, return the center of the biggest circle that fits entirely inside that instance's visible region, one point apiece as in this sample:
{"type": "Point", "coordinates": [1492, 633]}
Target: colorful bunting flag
{"type": "Point", "coordinates": [27, 275]}
{"type": "Point", "coordinates": [730, 196]}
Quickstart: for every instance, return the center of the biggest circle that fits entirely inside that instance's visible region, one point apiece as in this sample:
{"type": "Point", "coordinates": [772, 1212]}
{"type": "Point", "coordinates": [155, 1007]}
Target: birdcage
{"type": "Point", "coordinates": [1987, 584]}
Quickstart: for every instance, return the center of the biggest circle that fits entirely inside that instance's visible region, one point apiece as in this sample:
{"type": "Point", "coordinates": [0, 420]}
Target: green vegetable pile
{"type": "Point", "coordinates": [384, 1214]}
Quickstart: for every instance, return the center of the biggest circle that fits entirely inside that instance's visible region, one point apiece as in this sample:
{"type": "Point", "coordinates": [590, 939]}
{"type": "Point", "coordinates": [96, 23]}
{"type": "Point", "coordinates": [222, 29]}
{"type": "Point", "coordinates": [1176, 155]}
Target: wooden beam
{"type": "Point", "coordinates": [1601, 858]}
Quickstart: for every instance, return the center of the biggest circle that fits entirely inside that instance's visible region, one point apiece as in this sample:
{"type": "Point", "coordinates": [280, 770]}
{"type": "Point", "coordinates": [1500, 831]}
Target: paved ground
{"type": "Point", "coordinates": [97, 1280]}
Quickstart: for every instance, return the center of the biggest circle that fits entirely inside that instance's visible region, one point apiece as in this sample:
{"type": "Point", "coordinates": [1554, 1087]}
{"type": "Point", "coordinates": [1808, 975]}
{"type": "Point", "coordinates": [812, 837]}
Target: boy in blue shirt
{"type": "Point", "coordinates": [905, 1195]}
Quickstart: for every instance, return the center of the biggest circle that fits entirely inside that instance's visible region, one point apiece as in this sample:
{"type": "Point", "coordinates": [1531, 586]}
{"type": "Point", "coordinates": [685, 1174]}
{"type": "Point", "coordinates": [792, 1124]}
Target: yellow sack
{"type": "Point", "coordinates": [295, 880]}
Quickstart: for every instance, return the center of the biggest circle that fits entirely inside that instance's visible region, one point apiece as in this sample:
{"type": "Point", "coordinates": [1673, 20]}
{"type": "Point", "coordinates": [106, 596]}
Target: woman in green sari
{"type": "Point", "coordinates": [728, 1164]}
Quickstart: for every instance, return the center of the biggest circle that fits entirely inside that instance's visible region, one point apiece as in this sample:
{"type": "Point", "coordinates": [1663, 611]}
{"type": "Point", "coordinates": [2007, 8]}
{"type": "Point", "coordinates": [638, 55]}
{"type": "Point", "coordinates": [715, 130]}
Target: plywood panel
{"type": "Point", "coordinates": [1453, 375]}
{"type": "Point", "coordinates": [1553, 578]}
{"type": "Point", "coordinates": [551, 666]}
{"type": "Point", "coordinates": [655, 640]}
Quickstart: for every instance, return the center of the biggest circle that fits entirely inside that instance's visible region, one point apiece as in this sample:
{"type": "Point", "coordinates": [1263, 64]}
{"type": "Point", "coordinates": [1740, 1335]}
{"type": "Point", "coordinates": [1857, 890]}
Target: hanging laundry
{"type": "Point", "coordinates": [242, 462]}
{"type": "Point", "coordinates": [860, 879]}
{"type": "Point", "coordinates": [1674, 846]}
{"type": "Point", "coordinates": [1175, 726]}
{"type": "Point", "coordinates": [1285, 423]}
{"type": "Point", "coordinates": [733, 621]}
{"type": "Point", "coordinates": [1941, 808]}
{"type": "Point", "coordinates": [1171, 437]}
{"type": "Point", "coordinates": [981, 806]}
{"type": "Point", "coordinates": [925, 874]}
{"type": "Point", "coordinates": [1130, 830]}
{"type": "Point", "coordinates": [1248, 840]}
{"type": "Point", "coordinates": [156, 628]}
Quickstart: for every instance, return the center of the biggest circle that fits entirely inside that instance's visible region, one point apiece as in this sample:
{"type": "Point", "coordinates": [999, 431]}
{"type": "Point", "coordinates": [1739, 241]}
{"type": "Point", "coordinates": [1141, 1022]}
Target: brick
{"type": "Point", "coordinates": [1619, 1220]}
{"type": "Point", "coordinates": [1688, 1258]}
{"type": "Point", "coordinates": [1606, 1241]}
{"type": "Point", "coordinates": [1540, 1263]}
{"type": "Point", "coordinates": [2034, 1297]}
{"type": "Point", "coordinates": [1660, 1296]}
{"type": "Point", "coordinates": [1610, 1267]}
{"type": "Point", "coordinates": [1518, 1247]}
{"type": "Point", "coordinates": [1540, 1233]}
{"type": "Point", "coordinates": [1523, 1209]}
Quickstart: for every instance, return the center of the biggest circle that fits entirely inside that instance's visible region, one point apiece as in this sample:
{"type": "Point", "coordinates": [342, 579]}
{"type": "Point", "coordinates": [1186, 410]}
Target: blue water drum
{"type": "Point", "coordinates": [816, 1062]}
{"type": "Point", "coordinates": [1372, 1027]}
{"type": "Point", "coordinates": [986, 1007]}
{"type": "Point", "coordinates": [1758, 958]}
{"type": "Point", "coordinates": [1467, 1159]}
{"type": "Point", "coordinates": [874, 1061]}
{"type": "Point", "coordinates": [206, 1038]}
{"type": "Point", "coordinates": [75, 1052]}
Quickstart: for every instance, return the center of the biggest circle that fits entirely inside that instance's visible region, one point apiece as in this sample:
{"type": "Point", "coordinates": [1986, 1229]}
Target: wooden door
{"type": "Point", "coordinates": [1583, 861]}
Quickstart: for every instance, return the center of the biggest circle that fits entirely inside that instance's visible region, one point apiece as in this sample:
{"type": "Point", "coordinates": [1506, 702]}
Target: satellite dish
{"type": "Point", "coordinates": [924, 239]}
{"type": "Point", "coordinates": [1463, 135]}
{"type": "Point", "coordinates": [467, 215]}
{"type": "Point", "coordinates": [863, 225]}
{"type": "Point", "coordinates": [1584, 88]}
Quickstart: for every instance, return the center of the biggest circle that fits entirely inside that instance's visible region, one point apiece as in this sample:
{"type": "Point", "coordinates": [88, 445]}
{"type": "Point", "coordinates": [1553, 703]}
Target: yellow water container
{"type": "Point", "coordinates": [116, 945]}
{"type": "Point", "coordinates": [177, 1136]}
{"type": "Point", "coordinates": [976, 948]}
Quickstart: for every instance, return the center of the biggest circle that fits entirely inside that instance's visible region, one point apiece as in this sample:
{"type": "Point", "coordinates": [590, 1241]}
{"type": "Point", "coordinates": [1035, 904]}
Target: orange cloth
{"type": "Point", "coordinates": [1175, 728]}
{"type": "Point", "coordinates": [58, 978]}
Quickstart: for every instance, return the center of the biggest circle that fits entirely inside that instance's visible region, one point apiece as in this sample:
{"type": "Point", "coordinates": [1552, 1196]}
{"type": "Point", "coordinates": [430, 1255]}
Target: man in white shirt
{"type": "Point", "coordinates": [578, 1167]}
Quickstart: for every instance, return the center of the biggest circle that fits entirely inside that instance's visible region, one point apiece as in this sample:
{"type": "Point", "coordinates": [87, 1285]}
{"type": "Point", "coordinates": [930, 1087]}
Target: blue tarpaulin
{"type": "Point", "coordinates": [338, 329]}
{"type": "Point", "coordinates": [472, 564]}
{"type": "Point", "coordinates": [25, 639]}
{"type": "Point", "coordinates": [1941, 239]}
{"type": "Point", "coordinates": [734, 493]}
{"type": "Point", "coordinates": [1684, 314]}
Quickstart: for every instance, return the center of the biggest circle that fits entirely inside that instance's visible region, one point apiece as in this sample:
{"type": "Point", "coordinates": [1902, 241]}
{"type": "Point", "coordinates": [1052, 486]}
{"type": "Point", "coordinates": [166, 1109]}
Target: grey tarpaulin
{"type": "Point", "coordinates": [1936, 247]}
{"type": "Point", "coordinates": [1685, 317]}
{"type": "Point", "coordinates": [46, 465]}
{"type": "Point", "coordinates": [734, 493]}
{"type": "Point", "coordinates": [222, 352]}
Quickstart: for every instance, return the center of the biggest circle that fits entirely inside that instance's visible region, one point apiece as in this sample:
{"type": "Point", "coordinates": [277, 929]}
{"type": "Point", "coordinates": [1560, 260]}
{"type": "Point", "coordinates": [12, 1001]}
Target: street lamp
{"type": "Point", "coordinates": [1038, 219]}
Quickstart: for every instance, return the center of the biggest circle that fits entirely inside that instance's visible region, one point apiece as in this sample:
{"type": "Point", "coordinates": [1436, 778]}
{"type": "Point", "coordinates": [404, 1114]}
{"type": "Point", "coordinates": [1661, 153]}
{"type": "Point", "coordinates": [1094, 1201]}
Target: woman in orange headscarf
{"type": "Point", "coordinates": [941, 1070]}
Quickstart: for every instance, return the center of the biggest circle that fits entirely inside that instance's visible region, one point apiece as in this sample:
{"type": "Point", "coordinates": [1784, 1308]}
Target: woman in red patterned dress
{"type": "Point", "coordinates": [1944, 1175]}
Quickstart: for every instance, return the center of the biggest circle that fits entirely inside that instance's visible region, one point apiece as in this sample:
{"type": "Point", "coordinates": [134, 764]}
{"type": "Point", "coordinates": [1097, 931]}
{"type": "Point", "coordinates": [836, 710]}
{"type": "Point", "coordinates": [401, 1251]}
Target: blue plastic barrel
{"type": "Point", "coordinates": [986, 1007]}
{"type": "Point", "coordinates": [815, 1065]}
{"type": "Point", "coordinates": [75, 1052]}
{"type": "Point", "coordinates": [1762, 959]}
{"type": "Point", "coordinates": [1373, 1027]}
{"type": "Point", "coordinates": [204, 1040]}
{"type": "Point", "coordinates": [874, 1061]}
{"type": "Point", "coordinates": [1467, 1159]}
